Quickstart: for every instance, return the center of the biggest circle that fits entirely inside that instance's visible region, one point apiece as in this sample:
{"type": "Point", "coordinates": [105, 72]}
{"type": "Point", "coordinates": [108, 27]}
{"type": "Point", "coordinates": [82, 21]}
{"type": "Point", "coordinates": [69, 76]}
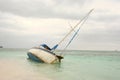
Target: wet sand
{"type": "Point", "coordinates": [12, 70]}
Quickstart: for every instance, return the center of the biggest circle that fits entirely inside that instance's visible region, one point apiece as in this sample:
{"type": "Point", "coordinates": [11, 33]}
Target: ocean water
{"type": "Point", "coordinates": [76, 65]}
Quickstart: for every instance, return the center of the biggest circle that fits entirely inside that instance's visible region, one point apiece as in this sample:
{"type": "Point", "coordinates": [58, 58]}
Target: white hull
{"type": "Point", "coordinates": [44, 55]}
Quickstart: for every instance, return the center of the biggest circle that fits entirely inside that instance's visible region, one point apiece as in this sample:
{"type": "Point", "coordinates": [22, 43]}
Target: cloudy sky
{"type": "Point", "coordinates": [28, 23]}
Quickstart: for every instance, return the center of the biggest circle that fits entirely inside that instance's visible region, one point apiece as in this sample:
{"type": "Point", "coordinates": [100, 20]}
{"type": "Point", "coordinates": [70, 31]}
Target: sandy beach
{"type": "Point", "coordinates": [12, 70]}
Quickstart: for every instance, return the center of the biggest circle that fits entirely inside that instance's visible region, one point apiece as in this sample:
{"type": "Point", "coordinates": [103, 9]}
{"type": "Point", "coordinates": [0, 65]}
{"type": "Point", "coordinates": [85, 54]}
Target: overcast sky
{"type": "Point", "coordinates": [29, 23]}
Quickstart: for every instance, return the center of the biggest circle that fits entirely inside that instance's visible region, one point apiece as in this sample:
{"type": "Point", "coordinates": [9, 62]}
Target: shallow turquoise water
{"type": "Point", "coordinates": [77, 65]}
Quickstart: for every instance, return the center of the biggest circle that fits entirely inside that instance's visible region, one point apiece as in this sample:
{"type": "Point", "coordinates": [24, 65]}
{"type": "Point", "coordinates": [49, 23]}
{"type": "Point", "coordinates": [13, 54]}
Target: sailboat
{"type": "Point", "coordinates": [45, 54]}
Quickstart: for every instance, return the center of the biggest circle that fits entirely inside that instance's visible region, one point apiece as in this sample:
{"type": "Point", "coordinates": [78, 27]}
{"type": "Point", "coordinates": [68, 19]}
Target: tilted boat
{"type": "Point", "coordinates": [43, 55]}
{"type": "Point", "coordinates": [46, 54]}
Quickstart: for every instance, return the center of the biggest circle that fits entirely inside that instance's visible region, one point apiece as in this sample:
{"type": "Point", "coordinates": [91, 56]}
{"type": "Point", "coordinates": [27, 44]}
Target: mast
{"type": "Point", "coordinates": [76, 32]}
{"type": "Point", "coordinates": [72, 30]}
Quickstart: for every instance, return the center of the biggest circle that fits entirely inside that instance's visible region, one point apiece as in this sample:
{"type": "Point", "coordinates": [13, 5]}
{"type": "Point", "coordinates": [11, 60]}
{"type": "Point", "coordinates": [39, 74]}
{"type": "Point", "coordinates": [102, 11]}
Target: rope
{"type": "Point", "coordinates": [82, 20]}
{"type": "Point", "coordinates": [75, 26]}
{"type": "Point", "coordinates": [74, 35]}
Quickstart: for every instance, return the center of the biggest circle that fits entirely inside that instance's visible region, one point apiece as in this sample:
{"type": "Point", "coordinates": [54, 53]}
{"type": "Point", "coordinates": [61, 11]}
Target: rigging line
{"type": "Point", "coordinates": [75, 26]}
{"type": "Point", "coordinates": [71, 30]}
{"type": "Point", "coordinates": [74, 35]}
{"type": "Point", "coordinates": [71, 27]}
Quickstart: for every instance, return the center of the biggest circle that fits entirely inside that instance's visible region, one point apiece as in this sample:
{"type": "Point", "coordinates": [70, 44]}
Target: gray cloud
{"type": "Point", "coordinates": [43, 9]}
{"type": "Point", "coordinates": [107, 18]}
